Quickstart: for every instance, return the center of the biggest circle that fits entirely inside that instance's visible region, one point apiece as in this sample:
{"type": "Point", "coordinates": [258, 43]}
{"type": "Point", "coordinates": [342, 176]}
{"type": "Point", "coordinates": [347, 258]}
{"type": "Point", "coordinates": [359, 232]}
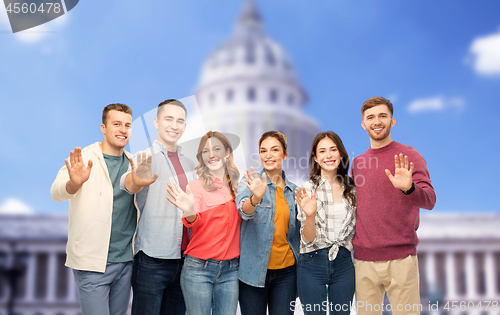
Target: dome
{"type": "Point", "coordinates": [249, 53]}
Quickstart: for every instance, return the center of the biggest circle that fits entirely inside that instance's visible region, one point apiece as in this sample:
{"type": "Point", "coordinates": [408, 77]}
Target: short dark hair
{"type": "Point", "coordinates": [375, 101]}
{"type": "Point", "coordinates": [170, 102]}
{"type": "Point", "coordinates": [118, 107]}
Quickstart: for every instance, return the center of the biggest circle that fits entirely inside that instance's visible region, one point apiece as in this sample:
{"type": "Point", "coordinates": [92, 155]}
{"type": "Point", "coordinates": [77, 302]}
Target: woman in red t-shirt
{"type": "Point", "coordinates": [209, 278]}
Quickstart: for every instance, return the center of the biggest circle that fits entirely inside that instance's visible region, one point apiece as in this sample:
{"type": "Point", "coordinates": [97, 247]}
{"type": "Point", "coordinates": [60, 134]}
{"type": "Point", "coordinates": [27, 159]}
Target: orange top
{"type": "Point", "coordinates": [281, 252]}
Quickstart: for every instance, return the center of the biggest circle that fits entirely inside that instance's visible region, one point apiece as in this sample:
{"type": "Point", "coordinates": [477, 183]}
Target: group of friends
{"type": "Point", "coordinates": [202, 238]}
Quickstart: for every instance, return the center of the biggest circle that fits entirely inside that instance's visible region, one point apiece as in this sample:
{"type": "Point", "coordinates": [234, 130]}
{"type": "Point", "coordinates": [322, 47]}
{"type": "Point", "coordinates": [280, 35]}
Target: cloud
{"type": "Point", "coordinates": [485, 53]}
{"type": "Point", "coordinates": [435, 104]}
{"type": "Point", "coordinates": [15, 206]}
{"type": "Point", "coordinates": [393, 97]}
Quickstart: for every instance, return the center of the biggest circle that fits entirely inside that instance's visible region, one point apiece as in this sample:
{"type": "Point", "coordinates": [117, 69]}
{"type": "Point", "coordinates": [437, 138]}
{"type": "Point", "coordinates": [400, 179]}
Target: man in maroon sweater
{"type": "Point", "coordinates": [392, 184]}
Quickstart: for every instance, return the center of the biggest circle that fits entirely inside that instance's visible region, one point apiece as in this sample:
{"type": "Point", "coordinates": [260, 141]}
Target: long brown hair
{"type": "Point", "coordinates": [230, 169]}
{"type": "Point", "coordinates": [342, 169]}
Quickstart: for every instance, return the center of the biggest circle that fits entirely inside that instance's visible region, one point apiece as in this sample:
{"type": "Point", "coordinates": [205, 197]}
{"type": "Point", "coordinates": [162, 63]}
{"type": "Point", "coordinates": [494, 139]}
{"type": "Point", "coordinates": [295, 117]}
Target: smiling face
{"type": "Point", "coordinates": [377, 121]}
{"type": "Point", "coordinates": [171, 123]}
{"type": "Point", "coordinates": [214, 154]}
{"type": "Point", "coordinates": [327, 155]}
{"type": "Point", "coordinates": [117, 130]}
{"type": "Point", "coordinates": [271, 154]}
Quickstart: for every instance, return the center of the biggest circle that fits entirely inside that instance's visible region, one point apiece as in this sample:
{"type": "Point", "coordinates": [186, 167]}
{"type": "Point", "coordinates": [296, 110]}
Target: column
{"type": "Point", "coordinates": [451, 277]}
{"type": "Point", "coordinates": [31, 277]}
{"type": "Point", "coordinates": [71, 294]}
{"type": "Point", "coordinates": [490, 275]}
{"type": "Point", "coordinates": [51, 276]}
{"type": "Point", "coordinates": [430, 270]}
{"type": "Point", "coordinates": [470, 276]}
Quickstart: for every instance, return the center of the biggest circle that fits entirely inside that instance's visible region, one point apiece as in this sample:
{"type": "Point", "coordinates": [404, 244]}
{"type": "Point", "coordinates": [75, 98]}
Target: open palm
{"type": "Point", "coordinates": [402, 178]}
{"type": "Point", "coordinates": [77, 171]}
{"type": "Point", "coordinates": [180, 199]}
{"type": "Point", "coordinates": [306, 203]}
{"type": "Point", "coordinates": [142, 175]}
{"type": "Point", "coordinates": [256, 185]}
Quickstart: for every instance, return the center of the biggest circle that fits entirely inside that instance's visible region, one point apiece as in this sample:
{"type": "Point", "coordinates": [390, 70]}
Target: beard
{"type": "Point", "coordinates": [380, 136]}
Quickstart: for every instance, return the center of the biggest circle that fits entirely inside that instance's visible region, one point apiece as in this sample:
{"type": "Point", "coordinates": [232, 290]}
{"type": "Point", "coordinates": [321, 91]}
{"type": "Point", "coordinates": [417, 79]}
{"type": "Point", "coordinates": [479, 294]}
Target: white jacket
{"type": "Point", "coordinates": [90, 213]}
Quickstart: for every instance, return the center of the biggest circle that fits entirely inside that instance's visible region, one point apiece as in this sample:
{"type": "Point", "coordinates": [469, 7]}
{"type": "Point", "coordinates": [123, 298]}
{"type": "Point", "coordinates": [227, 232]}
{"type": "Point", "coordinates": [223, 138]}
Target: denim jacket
{"type": "Point", "coordinates": [257, 231]}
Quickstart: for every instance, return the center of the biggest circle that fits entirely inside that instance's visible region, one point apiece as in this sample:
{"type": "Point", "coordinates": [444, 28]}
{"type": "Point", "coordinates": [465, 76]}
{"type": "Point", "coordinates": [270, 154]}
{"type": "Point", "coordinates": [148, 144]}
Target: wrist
{"type": "Point", "coordinates": [254, 201]}
{"type": "Point", "coordinates": [71, 187]}
{"type": "Point", "coordinates": [310, 216]}
{"type": "Point", "coordinates": [410, 190]}
{"type": "Point", "coordinates": [190, 218]}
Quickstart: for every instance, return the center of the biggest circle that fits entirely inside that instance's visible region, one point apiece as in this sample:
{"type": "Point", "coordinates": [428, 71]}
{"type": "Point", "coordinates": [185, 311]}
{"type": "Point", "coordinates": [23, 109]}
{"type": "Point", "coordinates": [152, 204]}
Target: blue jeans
{"type": "Point", "coordinates": [278, 293]}
{"type": "Point", "coordinates": [156, 286]}
{"type": "Point", "coordinates": [210, 286]}
{"type": "Point", "coordinates": [104, 293]}
{"type": "Point", "coordinates": [325, 284]}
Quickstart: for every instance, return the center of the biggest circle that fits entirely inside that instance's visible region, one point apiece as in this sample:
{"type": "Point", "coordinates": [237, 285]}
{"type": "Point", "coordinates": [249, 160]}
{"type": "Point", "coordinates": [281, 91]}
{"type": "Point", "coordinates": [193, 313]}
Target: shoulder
{"type": "Point", "coordinates": [92, 151]}
{"type": "Point", "coordinates": [308, 184]}
{"type": "Point", "coordinates": [412, 153]}
{"type": "Point", "coordinates": [360, 158]}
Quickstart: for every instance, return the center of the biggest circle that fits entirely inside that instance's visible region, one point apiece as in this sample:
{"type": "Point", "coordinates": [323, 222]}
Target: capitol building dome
{"type": "Point", "coordinates": [248, 86]}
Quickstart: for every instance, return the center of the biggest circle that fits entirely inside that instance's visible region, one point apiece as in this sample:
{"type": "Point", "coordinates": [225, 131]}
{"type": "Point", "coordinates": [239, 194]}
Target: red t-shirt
{"type": "Point", "coordinates": [216, 229]}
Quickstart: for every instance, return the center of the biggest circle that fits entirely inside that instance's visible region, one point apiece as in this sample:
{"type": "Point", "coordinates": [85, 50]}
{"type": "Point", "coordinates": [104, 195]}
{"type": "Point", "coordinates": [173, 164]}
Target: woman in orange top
{"type": "Point", "coordinates": [269, 233]}
{"type": "Point", "coordinates": [209, 278]}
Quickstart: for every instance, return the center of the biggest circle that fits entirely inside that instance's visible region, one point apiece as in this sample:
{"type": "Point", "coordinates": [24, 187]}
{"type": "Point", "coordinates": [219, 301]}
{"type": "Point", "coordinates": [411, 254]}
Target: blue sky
{"type": "Point", "coordinates": [438, 61]}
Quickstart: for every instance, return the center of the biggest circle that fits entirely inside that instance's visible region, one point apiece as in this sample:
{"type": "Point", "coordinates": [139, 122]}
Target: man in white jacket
{"type": "Point", "coordinates": [102, 218]}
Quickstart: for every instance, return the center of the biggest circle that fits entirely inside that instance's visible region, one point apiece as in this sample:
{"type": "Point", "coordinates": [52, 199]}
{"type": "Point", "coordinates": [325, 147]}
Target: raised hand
{"type": "Point", "coordinates": [180, 199]}
{"type": "Point", "coordinates": [77, 171]}
{"type": "Point", "coordinates": [256, 185]}
{"type": "Point", "coordinates": [141, 175]}
{"type": "Point", "coordinates": [306, 203]}
{"type": "Point", "coordinates": [402, 175]}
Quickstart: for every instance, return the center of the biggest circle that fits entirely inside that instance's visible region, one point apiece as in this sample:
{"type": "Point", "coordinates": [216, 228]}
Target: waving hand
{"type": "Point", "coordinates": [402, 175]}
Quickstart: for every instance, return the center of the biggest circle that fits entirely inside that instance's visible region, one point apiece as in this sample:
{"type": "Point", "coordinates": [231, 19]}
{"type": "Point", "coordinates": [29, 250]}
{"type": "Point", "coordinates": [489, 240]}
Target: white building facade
{"type": "Point", "coordinates": [459, 261]}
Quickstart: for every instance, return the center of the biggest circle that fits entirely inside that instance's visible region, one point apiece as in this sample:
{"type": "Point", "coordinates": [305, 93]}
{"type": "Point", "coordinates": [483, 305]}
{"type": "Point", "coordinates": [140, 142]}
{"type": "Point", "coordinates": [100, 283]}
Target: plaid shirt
{"type": "Point", "coordinates": [324, 222]}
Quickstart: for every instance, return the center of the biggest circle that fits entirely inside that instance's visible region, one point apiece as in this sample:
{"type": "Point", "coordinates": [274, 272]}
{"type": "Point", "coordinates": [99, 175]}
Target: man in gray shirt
{"type": "Point", "coordinates": [161, 236]}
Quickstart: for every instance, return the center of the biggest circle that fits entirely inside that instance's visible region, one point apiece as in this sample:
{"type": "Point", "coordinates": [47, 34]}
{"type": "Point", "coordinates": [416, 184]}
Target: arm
{"type": "Point", "coordinates": [416, 185]}
{"type": "Point", "coordinates": [308, 207]}
{"type": "Point", "coordinates": [141, 175]}
{"type": "Point", "coordinates": [71, 177]}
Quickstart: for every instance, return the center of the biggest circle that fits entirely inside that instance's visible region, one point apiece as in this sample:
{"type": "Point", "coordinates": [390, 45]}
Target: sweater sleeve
{"type": "Point", "coordinates": [58, 189]}
{"type": "Point", "coordinates": [424, 195]}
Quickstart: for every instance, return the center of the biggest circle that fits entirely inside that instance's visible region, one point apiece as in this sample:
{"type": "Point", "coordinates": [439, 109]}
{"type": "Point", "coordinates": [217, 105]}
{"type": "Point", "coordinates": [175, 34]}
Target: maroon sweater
{"type": "Point", "coordinates": [386, 219]}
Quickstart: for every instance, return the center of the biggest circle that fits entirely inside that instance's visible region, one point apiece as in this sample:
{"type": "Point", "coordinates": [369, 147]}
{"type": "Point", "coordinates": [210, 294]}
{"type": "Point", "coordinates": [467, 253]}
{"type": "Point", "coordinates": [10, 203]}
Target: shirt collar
{"type": "Point", "coordinates": [159, 146]}
{"type": "Point", "coordinates": [283, 175]}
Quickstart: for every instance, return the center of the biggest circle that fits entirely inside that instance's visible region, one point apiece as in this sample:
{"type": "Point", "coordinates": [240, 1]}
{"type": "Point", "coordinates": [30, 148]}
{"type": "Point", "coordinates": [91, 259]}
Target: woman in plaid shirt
{"type": "Point", "coordinates": [327, 204]}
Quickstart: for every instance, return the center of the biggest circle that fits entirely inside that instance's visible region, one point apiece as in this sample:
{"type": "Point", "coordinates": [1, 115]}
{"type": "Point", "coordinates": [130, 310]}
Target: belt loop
{"type": "Point", "coordinates": [206, 263]}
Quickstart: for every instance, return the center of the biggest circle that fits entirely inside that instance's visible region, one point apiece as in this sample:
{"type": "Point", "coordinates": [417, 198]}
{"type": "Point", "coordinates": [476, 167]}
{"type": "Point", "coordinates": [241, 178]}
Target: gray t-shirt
{"type": "Point", "coordinates": [124, 218]}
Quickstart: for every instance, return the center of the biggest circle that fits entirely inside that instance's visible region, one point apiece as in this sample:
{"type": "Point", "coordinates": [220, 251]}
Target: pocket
{"type": "Point", "coordinates": [92, 243]}
{"type": "Point", "coordinates": [344, 252]}
{"type": "Point", "coordinates": [146, 260]}
{"type": "Point", "coordinates": [262, 212]}
{"type": "Point", "coordinates": [214, 201]}
{"type": "Point", "coordinates": [190, 263]}
{"type": "Point", "coordinates": [308, 257]}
